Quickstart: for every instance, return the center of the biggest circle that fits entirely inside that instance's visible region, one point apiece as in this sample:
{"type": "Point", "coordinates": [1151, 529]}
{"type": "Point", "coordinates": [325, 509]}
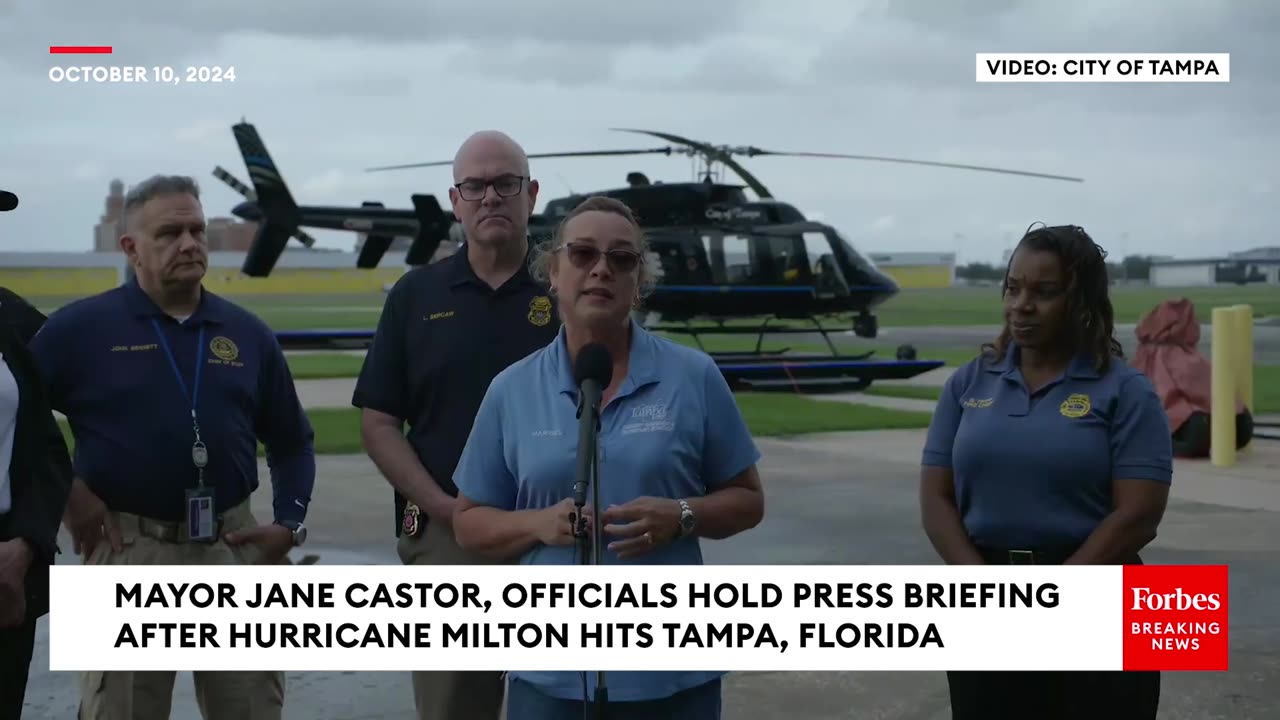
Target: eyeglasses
{"type": "Point", "coordinates": [505, 185]}
{"type": "Point", "coordinates": [585, 256]}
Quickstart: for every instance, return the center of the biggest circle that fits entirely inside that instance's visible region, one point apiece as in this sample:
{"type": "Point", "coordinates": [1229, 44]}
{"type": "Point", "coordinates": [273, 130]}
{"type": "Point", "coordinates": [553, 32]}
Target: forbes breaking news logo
{"type": "Point", "coordinates": [1176, 617]}
{"type": "Point", "coordinates": [1102, 67]}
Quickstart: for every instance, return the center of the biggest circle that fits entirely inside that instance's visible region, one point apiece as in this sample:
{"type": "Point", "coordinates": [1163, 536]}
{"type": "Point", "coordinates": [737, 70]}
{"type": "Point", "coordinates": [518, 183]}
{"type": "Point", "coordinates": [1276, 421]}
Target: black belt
{"type": "Point", "coordinates": [1001, 556]}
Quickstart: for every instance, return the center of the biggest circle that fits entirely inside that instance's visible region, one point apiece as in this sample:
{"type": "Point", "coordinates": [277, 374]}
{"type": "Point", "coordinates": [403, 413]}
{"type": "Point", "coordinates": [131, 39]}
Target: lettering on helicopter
{"type": "Point", "coordinates": [735, 213]}
{"type": "Point", "coordinates": [357, 224]}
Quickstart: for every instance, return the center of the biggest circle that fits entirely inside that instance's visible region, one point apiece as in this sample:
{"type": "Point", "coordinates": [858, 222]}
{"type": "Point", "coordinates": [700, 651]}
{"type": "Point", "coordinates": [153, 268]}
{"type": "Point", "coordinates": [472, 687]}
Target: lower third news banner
{"type": "Point", "coordinates": [613, 618]}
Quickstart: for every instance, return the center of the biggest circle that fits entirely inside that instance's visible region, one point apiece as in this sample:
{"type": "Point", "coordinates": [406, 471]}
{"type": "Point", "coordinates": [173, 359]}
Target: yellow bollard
{"type": "Point", "coordinates": [1222, 413]}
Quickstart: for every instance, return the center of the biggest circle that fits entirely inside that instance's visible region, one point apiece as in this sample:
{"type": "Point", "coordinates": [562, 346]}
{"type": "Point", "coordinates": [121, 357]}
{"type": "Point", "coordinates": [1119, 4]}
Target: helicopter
{"type": "Point", "coordinates": [721, 255]}
{"type": "Point", "coordinates": [725, 255]}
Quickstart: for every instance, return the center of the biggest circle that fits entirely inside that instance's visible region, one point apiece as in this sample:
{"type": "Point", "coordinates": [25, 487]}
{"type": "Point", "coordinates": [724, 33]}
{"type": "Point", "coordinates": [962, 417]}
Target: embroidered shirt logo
{"type": "Point", "coordinates": [224, 349]}
{"type": "Point", "coordinates": [973, 403]}
{"type": "Point", "coordinates": [1075, 406]}
{"type": "Point", "coordinates": [649, 418]}
{"type": "Point", "coordinates": [540, 310]}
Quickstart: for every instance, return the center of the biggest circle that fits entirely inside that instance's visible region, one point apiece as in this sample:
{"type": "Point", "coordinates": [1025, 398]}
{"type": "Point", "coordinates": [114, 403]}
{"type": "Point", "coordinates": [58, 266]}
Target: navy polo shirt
{"type": "Point", "coordinates": [1034, 471]}
{"type": "Point", "coordinates": [108, 372]}
{"type": "Point", "coordinates": [443, 336]}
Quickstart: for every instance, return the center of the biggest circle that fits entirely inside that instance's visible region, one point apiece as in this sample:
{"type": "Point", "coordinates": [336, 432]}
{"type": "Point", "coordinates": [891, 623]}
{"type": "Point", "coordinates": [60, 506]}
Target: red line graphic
{"type": "Point", "coordinates": [79, 49]}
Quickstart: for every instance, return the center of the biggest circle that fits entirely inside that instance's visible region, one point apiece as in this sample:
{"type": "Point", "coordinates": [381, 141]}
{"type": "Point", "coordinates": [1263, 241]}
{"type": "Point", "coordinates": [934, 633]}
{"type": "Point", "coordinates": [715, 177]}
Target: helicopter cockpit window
{"type": "Point", "coordinates": [737, 260]}
{"type": "Point", "coordinates": [827, 277]}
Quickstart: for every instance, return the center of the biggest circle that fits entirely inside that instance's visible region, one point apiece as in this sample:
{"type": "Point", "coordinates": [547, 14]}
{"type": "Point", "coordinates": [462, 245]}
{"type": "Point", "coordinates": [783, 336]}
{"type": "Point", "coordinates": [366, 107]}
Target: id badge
{"type": "Point", "coordinates": [200, 517]}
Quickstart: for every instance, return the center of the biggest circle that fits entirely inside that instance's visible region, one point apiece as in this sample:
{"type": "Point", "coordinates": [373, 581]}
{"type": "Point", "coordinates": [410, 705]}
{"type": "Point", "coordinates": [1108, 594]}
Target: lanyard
{"type": "Point", "coordinates": [199, 454]}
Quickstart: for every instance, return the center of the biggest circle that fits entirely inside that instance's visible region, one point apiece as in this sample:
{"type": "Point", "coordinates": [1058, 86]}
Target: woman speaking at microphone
{"type": "Point", "coordinates": [1049, 449]}
{"type": "Point", "coordinates": [676, 460]}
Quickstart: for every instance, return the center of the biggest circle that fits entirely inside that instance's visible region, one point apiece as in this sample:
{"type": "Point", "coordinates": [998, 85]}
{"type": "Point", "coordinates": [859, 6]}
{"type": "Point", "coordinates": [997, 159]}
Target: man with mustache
{"type": "Point", "coordinates": [168, 389]}
{"type": "Point", "coordinates": [446, 330]}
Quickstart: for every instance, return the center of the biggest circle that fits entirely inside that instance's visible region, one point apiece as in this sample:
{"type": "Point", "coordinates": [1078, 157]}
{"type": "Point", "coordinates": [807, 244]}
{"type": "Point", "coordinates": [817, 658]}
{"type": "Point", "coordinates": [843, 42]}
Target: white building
{"type": "Point", "coordinates": [1256, 266]}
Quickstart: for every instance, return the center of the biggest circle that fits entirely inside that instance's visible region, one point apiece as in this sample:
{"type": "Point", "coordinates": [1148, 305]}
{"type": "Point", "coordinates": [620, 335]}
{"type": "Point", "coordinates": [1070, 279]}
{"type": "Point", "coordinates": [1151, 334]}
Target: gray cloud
{"type": "Point", "coordinates": [334, 88]}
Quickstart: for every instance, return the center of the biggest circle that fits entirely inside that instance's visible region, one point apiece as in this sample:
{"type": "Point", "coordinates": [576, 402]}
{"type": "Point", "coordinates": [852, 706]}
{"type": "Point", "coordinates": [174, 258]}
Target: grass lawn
{"type": "Point", "coordinates": [911, 307]}
{"type": "Point", "coordinates": [981, 306]}
{"type": "Point", "coordinates": [767, 414]}
{"type": "Point", "coordinates": [319, 365]}
{"type": "Point", "coordinates": [1266, 390]}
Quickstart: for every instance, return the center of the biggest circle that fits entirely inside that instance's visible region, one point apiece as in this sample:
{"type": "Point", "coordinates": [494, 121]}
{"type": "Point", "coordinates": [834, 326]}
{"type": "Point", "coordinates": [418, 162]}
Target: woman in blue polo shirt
{"type": "Point", "coordinates": [676, 460]}
{"type": "Point", "coordinates": [1049, 448]}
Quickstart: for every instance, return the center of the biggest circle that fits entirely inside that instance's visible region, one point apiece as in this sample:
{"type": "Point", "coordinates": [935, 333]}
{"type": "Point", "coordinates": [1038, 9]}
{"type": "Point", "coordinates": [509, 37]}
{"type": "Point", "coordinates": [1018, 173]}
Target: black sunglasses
{"type": "Point", "coordinates": [584, 256]}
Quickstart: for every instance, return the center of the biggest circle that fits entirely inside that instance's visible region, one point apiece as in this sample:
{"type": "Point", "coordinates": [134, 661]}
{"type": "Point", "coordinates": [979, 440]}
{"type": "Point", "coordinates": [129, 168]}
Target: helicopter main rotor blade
{"type": "Point", "coordinates": [756, 151]}
{"type": "Point", "coordinates": [722, 155]}
{"type": "Point", "coordinates": [579, 153]}
{"type": "Point", "coordinates": [712, 154]}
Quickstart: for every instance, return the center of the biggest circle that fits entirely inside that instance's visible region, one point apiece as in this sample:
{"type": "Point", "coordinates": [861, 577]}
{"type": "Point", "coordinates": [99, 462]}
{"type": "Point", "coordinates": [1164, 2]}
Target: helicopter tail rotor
{"type": "Point", "coordinates": [248, 193]}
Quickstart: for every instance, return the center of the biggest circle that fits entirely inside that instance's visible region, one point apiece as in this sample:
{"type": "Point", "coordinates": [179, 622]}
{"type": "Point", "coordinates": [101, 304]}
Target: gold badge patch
{"type": "Point", "coordinates": [1075, 406]}
{"type": "Point", "coordinates": [224, 349]}
{"type": "Point", "coordinates": [540, 310]}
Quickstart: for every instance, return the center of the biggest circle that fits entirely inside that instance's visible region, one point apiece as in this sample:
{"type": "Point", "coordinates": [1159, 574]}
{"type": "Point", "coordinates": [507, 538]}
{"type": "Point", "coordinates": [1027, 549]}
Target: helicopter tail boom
{"type": "Point", "coordinates": [278, 208]}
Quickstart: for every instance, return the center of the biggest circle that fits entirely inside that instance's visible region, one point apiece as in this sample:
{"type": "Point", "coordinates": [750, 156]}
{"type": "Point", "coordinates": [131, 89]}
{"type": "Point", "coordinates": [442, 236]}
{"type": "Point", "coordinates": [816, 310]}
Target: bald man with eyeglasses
{"type": "Point", "coordinates": [447, 329]}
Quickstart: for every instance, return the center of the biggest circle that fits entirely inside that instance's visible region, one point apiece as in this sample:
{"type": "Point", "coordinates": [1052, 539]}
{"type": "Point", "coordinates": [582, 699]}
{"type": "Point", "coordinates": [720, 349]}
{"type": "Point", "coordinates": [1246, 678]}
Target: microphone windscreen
{"type": "Point", "coordinates": [8, 201]}
{"type": "Point", "coordinates": [594, 363]}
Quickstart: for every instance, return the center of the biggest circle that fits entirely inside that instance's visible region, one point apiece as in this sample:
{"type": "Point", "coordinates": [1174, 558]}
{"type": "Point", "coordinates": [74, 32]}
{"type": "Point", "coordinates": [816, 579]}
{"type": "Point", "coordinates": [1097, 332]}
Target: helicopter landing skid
{"type": "Point", "coordinates": [720, 328]}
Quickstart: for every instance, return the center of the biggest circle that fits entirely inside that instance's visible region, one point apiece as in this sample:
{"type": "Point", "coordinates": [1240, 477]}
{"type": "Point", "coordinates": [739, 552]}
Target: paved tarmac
{"type": "Point", "coordinates": [833, 499]}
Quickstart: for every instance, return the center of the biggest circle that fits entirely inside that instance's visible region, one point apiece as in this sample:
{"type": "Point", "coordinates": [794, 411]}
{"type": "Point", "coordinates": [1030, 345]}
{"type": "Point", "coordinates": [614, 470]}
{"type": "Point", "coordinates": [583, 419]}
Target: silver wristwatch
{"type": "Point", "coordinates": [297, 531]}
{"type": "Point", "coordinates": [687, 520]}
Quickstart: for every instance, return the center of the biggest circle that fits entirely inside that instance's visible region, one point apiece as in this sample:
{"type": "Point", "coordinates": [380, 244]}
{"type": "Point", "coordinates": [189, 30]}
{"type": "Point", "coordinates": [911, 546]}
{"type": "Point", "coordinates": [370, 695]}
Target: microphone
{"type": "Point", "coordinates": [8, 201]}
{"type": "Point", "coordinates": [593, 371]}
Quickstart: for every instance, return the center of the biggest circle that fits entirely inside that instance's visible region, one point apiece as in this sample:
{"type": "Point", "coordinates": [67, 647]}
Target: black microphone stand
{"type": "Point", "coordinates": [590, 544]}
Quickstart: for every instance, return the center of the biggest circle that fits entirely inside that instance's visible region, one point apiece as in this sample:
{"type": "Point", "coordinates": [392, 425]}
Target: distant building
{"type": "Point", "coordinates": [106, 234]}
{"type": "Point", "coordinates": [1256, 266]}
{"type": "Point", "coordinates": [224, 234]}
{"type": "Point", "coordinates": [918, 269]}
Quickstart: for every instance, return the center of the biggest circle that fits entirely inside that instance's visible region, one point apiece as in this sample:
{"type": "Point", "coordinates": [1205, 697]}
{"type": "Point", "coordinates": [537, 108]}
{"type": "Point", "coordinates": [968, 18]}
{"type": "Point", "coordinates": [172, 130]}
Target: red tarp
{"type": "Point", "coordinates": [1168, 354]}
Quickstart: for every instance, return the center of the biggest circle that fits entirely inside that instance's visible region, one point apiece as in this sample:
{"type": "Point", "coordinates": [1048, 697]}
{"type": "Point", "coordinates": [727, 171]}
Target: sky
{"type": "Point", "coordinates": [336, 87]}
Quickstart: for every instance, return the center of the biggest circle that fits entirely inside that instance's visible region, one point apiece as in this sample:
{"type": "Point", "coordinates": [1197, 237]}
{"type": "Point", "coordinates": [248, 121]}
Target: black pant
{"type": "Point", "coordinates": [16, 647]}
{"type": "Point", "coordinates": [1054, 695]}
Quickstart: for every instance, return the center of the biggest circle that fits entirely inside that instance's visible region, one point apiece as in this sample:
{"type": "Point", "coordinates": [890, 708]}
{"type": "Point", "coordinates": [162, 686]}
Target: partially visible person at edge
{"type": "Point", "coordinates": [681, 463]}
{"type": "Point", "coordinates": [35, 479]}
{"type": "Point", "coordinates": [168, 389]}
{"type": "Point", "coordinates": [446, 330]}
{"type": "Point", "coordinates": [1049, 449]}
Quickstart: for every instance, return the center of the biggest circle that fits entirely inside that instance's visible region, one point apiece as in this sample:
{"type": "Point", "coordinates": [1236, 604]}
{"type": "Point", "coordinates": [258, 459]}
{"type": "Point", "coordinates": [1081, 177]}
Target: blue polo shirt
{"type": "Point", "coordinates": [1034, 471]}
{"type": "Point", "coordinates": [673, 430]}
{"type": "Point", "coordinates": [107, 371]}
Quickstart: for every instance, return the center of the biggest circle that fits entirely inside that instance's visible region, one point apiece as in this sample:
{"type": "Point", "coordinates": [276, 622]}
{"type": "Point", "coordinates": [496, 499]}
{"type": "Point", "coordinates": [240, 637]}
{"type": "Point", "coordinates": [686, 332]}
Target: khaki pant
{"type": "Point", "coordinates": [126, 695]}
{"type": "Point", "coordinates": [443, 695]}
